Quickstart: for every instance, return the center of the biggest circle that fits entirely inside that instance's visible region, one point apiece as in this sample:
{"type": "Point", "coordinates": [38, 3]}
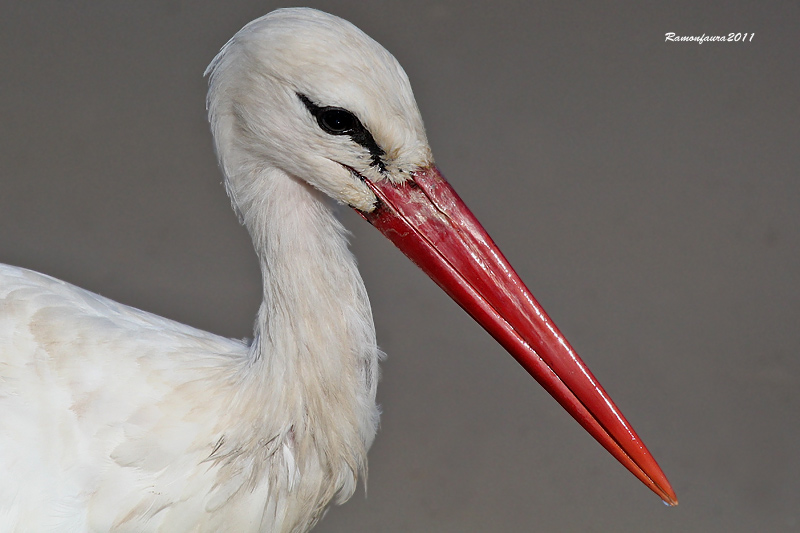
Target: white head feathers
{"type": "Point", "coordinates": [267, 83]}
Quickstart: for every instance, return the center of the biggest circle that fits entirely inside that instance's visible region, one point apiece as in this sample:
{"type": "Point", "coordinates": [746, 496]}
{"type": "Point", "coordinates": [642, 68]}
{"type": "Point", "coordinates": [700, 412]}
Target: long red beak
{"type": "Point", "coordinates": [426, 219]}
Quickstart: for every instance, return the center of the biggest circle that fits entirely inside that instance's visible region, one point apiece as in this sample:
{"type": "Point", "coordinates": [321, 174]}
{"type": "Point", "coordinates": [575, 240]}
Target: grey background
{"type": "Point", "coordinates": [646, 191]}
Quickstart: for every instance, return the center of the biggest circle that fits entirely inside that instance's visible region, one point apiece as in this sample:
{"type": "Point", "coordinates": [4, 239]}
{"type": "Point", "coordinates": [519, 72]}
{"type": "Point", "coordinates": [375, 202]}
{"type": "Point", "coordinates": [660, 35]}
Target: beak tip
{"type": "Point", "coordinates": [671, 500]}
{"type": "Point", "coordinates": [667, 494]}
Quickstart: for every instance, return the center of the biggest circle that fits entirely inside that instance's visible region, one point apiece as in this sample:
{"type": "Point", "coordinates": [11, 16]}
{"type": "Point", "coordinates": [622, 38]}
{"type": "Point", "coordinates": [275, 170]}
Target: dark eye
{"type": "Point", "coordinates": [337, 121]}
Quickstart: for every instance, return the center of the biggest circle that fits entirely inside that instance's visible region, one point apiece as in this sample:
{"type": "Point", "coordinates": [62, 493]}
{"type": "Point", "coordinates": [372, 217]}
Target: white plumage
{"type": "Point", "coordinates": [114, 419]}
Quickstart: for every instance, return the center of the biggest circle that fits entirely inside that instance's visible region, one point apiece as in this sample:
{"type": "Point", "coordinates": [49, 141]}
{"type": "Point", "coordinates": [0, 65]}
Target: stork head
{"type": "Point", "coordinates": [314, 96]}
{"type": "Point", "coordinates": [310, 95]}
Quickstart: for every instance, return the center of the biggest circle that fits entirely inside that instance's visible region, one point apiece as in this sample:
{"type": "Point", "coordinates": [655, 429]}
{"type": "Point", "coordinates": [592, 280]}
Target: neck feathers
{"type": "Point", "coordinates": [313, 368]}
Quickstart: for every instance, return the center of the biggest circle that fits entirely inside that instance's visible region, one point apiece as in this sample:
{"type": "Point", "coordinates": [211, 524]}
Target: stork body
{"type": "Point", "coordinates": [114, 419]}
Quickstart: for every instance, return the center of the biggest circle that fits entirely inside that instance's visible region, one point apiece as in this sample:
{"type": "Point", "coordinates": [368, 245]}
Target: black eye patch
{"type": "Point", "coordinates": [338, 121]}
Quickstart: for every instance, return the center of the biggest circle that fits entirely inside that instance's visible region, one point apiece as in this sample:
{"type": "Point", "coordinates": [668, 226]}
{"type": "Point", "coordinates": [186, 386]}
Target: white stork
{"type": "Point", "coordinates": [114, 419]}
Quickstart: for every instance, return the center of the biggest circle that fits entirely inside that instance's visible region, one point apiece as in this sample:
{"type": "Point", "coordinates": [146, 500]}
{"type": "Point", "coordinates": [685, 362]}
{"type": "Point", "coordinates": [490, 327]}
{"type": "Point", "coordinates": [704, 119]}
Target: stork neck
{"type": "Point", "coordinates": [314, 335]}
{"type": "Point", "coordinates": [314, 301]}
